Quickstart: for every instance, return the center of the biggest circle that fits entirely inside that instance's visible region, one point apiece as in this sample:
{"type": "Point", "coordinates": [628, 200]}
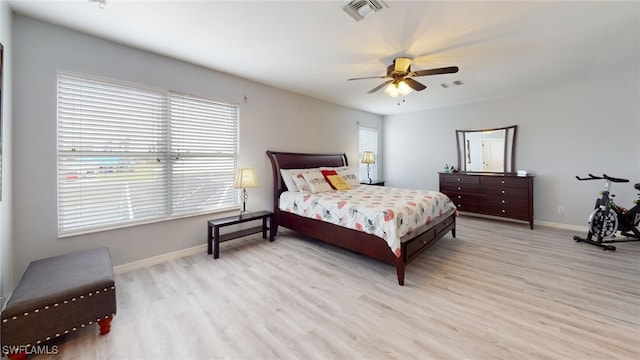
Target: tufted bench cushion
{"type": "Point", "coordinates": [59, 295]}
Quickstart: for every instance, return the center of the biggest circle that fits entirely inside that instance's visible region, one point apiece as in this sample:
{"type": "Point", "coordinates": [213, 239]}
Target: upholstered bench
{"type": "Point", "coordinates": [57, 296]}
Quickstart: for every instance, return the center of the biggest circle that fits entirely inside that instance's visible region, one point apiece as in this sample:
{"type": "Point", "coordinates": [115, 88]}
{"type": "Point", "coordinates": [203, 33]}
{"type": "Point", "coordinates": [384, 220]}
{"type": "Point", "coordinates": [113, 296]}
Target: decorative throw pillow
{"type": "Point", "coordinates": [300, 182]}
{"type": "Point", "coordinates": [338, 182]}
{"type": "Point", "coordinates": [316, 182]}
{"type": "Point", "coordinates": [350, 177]}
{"type": "Point", "coordinates": [326, 174]}
{"type": "Point", "coordinates": [288, 175]}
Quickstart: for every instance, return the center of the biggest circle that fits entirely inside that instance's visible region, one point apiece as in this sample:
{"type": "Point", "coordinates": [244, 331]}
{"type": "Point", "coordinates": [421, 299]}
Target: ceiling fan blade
{"type": "Point", "coordinates": [414, 84]}
{"type": "Point", "coordinates": [368, 77]}
{"type": "Point", "coordinates": [379, 86]}
{"type": "Point", "coordinates": [401, 64]}
{"type": "Point", "coordinates": [438, 71]}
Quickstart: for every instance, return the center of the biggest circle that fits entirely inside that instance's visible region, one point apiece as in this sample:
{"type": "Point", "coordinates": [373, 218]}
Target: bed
{"type": "Point", "coordinates": [410, 245]}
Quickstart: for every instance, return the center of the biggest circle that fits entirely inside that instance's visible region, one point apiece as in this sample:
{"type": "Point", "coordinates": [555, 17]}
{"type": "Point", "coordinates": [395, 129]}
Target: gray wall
{"type": "Point", "coordinates": [590, 127]}
{"type": "Point", "coordinates": [6, 240]}
{"type": "Point", "coordinates": [270, 119]}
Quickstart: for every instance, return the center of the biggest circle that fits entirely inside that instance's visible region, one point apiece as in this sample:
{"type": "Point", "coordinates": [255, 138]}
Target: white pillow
{"type": "Point", "coordinates": [316, 182]}
{"type": "Point", "coordinates": [287, 177]}
{"type": "Point", "coordinates": [288, 180]}
{"type": "Point", "coordinates": [350, 177]}
{"type": "Point", "coordinates": [337, 168]}
{"type": "Point", "coordinates": [300, 182]}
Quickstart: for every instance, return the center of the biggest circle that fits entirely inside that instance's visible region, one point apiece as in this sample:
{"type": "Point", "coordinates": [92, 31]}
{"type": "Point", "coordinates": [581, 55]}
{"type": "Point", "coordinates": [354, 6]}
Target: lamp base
{"type": "Point", "coordinates": [244, 198]}
{"type": "Point", "coordinates": [244, 214]}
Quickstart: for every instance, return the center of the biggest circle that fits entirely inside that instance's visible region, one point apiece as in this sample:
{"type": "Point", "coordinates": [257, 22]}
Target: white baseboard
{"type": "Point", "coordinates": [556, 225]}
{"type": "Point", "coordinates": [579, 228]}
{"type": "Point", "coordinates": [136, 265]}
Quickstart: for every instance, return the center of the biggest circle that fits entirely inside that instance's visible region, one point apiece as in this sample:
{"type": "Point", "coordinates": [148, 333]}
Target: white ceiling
{"type": "Point", "coordinates": [312, 47]}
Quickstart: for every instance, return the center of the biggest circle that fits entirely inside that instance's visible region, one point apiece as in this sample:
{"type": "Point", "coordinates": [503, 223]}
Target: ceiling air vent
{"type": "Point", "coordinates": [360, 9]}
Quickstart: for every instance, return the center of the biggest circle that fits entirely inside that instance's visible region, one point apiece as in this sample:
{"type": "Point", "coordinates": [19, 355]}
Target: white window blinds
{"type": "Point", "coordinates": [368, 141]}
{"type": "Point", "coordinates": [204, 138]}
{"type": "Point", "coordinates": [129, 154]}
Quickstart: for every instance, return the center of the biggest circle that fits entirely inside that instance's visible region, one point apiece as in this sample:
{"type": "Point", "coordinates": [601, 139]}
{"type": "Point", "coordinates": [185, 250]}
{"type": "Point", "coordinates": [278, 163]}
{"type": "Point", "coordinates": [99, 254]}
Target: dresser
{"type": "Point", "coordinates": [497, 194]}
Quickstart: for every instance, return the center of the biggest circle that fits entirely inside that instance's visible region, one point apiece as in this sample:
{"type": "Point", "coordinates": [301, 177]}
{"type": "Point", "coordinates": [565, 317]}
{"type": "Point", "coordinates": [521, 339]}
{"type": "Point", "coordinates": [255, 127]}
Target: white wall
{"type": "Point", "coordinates": [591, 127]}
{"type": "Point", "coordinates": [270, 119]}
{"type": "Point", "coordinates": [6, 240]}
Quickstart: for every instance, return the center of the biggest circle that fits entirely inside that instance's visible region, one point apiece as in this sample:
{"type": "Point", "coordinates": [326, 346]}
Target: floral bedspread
{"type": "Point", "coordinates": [386, 212]}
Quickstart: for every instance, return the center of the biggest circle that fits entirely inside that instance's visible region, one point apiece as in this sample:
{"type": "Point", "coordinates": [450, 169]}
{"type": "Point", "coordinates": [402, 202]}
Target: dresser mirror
{"type": "Point", "coordinates": [487, 150]}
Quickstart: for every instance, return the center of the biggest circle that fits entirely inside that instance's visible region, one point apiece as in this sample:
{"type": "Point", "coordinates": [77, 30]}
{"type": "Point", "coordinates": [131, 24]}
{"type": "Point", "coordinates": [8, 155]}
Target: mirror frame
{"type": "Point", "coordinates": [509, 148]}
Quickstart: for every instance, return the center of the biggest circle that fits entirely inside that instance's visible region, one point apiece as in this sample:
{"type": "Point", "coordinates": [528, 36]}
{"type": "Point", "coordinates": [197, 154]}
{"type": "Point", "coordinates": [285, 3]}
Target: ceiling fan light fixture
{"type": "Point", "coordinates": [397, 89]}
{"type": "Point", "coordinates": [402, 64]}
{"type": "Point", "coordinates": [403, 88]}
{"type": "Point", "coordinates": [392, 91]}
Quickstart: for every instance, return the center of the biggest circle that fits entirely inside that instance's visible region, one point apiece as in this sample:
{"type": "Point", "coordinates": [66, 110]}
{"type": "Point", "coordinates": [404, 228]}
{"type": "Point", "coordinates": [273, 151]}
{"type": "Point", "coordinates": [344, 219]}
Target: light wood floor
{"type": "Point", "coordinates": [497, 291]}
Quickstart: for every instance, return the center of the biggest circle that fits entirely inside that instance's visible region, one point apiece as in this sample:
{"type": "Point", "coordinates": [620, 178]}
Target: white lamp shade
{"type": "Point", "coordinates": [245, 178]}
{"type": "Point", "coordinates": [367, 158]}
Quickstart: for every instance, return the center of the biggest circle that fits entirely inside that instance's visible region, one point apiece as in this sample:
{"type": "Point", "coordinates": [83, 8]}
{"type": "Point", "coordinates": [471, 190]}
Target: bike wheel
{"type": "Point", "coordinates": [603, 223]}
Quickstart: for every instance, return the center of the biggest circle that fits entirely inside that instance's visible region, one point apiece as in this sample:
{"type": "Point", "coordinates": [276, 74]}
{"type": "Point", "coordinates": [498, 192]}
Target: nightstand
{"type": "Point", "coordinates": [214, 238]}
{"type": "Point", "coordinates": [373, 182]}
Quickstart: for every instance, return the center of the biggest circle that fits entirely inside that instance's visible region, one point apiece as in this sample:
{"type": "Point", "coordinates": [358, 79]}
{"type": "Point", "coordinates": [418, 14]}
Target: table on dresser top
{"type": "Point", "coordinates": [214, 238]}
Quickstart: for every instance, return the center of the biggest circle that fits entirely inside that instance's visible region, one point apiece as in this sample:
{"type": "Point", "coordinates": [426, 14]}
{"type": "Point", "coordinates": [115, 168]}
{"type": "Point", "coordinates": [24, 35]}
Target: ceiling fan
{"type": "Point", "coordinates": [400, 77]}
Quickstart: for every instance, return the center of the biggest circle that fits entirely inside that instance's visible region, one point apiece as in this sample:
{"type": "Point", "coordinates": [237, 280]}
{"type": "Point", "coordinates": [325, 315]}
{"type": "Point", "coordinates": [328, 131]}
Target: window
{"type": "Point", "coordinates": [129, 154]}
{"type": "Point", "coordinates": [368, 141]}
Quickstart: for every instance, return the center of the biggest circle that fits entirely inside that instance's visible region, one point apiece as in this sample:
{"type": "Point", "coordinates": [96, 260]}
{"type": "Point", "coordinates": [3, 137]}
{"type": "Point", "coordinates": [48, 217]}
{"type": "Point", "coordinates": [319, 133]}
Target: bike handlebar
{"type": "Point", "coordinates": [604, 177]}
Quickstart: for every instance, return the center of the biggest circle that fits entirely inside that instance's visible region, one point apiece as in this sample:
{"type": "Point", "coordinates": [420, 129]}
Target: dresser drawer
{"type": "Point", "coordinates": [502, 201]}
{"type": "Point", "coordinates": [500, 182]}
{"type": "Point", "coordinates": [514, 212]}
{"type": "Point", "coordinates": [507, 192]}
{"type": "Point", "coordinates": [464, 201]}
{"type": "Point", "coordinates": [460, 179]}
{"type": "Point", "coordinates": [468, 206]}
{"type": "Point", "coordinates": [472, 188]}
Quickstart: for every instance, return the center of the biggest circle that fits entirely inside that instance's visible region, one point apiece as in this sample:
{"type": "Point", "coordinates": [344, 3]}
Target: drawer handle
{"type": "Point", "coordinates": [504, 211]}
{"type": "Point", "coordinates": [458, 179]}
{"type": "Point", "coordinates": [459, 205]}
{"type": "Point", "coordinates": [503, 191]}
{"type": "Point", "coordinates": [459, 197]}
{"type": "Point", "coordinates": [423, 241]}
{"type": "Point", "coordinates": [458, 187]}
{"type": "Point", "coordinates": [504, 202]}
{"type": "Point", "coordinates": [502, 181]}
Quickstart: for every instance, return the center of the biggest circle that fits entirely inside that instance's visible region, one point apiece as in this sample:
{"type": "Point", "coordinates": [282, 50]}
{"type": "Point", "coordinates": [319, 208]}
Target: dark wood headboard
{"type": "Point", "coordinates": [288, 160]}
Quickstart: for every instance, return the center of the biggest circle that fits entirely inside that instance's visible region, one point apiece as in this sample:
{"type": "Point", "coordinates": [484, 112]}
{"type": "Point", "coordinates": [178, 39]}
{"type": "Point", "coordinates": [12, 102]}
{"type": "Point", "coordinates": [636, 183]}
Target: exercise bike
{"type": "Point", "coordinates": [607, 217]}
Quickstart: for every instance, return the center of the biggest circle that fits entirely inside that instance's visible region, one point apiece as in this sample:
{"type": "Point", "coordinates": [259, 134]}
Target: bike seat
{"type": "Point", "coordinates": [637, 186]}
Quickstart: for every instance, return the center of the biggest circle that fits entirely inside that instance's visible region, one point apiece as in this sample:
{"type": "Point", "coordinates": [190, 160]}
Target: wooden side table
{"type": "Point", "coordinates": [214, 237]}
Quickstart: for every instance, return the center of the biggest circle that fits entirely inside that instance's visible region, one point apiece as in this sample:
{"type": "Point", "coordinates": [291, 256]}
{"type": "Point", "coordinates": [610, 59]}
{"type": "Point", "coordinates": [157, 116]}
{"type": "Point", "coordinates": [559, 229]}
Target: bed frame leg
{"type": "Point", "coordinates": [400, 271]}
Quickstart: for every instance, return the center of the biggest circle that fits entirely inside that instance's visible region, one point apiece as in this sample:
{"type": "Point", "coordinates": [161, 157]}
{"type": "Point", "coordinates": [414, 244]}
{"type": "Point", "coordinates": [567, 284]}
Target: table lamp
{"type": "Point", "coordinates": [245, 178]}
{"type": "Point", "coordinates": [367, 158]}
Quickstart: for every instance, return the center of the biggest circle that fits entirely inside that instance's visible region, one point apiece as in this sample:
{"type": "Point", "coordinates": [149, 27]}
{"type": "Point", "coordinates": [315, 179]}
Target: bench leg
{"type": "Point", "coordinates": [105, 325]}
